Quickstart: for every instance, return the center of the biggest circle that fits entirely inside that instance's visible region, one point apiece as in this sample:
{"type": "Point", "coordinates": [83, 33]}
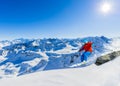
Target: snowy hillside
{"type": "Point", "coordinates": [105, 75]}
{"type": "Point", "coordinates": [23, 56]}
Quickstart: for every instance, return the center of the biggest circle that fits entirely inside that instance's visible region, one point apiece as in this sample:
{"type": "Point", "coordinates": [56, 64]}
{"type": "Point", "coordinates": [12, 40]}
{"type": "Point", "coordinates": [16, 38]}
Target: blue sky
{"type": "Point", "coordinates": [57, 19]}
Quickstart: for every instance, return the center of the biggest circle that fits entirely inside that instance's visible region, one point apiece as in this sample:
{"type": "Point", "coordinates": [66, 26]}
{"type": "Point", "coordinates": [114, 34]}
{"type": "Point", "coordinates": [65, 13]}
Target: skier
{"type": "Point", "coordinates": [87, 50]}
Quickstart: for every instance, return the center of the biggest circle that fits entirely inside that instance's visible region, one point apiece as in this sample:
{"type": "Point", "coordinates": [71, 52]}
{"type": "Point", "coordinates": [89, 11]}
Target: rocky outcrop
{"type": "Point", "coordinates": [105, 58]}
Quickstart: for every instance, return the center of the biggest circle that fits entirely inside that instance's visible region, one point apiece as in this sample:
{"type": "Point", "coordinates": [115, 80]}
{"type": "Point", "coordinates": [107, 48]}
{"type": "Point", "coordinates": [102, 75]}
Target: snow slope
{"type": "Point", "coordinates": [106, 75]}
{"type": "Point", "coordinates": [23, 56]}
{"type": "Point", "coordinates": [35, 60]}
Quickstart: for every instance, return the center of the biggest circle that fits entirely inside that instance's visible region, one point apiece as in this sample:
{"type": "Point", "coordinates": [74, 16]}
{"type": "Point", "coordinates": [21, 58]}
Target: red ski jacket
{"type": "Point", "coordinates": [87, 47]}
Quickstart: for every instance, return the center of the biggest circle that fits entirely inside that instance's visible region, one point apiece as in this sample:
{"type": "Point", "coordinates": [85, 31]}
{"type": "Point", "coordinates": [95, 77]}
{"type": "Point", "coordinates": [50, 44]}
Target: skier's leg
{"type": "Point", "coordinates": [82, 57]}
{"type": "Point", "coordinates": [86, 55]}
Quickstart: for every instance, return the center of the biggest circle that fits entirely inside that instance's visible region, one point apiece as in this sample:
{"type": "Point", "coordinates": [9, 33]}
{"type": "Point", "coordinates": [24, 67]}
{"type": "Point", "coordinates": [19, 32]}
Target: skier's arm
{"type": "Point", "coordinates": [81, 49]}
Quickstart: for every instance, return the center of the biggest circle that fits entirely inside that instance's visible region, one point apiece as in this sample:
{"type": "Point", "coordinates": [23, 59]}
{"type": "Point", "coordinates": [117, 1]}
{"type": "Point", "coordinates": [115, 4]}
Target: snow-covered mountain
{"type": "Point", "coordinates": [22, 56]}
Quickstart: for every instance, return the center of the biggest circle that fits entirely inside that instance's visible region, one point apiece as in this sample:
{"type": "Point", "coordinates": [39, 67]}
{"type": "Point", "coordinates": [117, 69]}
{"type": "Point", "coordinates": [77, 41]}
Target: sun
{"type": "Point", "coordinates": [105, 7]}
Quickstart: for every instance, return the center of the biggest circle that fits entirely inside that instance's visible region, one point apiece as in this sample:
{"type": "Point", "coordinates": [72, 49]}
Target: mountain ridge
{"type": "Point", "coordinates": [23, 56]}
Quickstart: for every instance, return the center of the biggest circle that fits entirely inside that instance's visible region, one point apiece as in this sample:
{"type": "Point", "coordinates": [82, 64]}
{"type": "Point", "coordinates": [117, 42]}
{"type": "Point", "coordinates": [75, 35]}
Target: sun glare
{"type": "Point", "coordinates": [105, 7]}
